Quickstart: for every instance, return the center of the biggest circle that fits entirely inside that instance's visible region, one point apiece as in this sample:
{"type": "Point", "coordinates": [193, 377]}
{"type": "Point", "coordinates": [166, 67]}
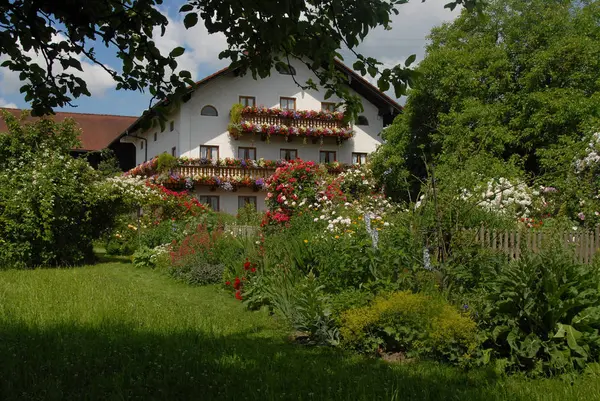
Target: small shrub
{"type": "Point", "coordinates": [200, 274]}
{"type": "Point", "coordinates": [417, 325]}
{"type": "Point", "coordinates": [151, 257]}
{"type": "Point", "coordinates": [166, 162]}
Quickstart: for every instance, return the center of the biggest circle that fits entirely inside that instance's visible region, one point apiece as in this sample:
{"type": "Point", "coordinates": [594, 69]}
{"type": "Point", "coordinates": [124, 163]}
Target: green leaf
{"type": "Point", "coordinates": [176, 52]}
{"type": "Point", "coordinates": [190, 20]}
{"type": "Point", "coordinates": [372, 71]}
{"type": "Point", "coordinates": [411, 59]}
{"type": "Point", "coordinates": [185, 8]}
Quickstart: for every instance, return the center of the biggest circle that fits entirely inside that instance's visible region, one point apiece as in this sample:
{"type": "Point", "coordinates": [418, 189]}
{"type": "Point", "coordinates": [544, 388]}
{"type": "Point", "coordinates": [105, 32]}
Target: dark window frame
{"type": "Point", "coordinates": [288, 150]}
{"type": "Point", "coordinates": [243, 100]}
{"type": "Point", "coordinates": [254, 198]}
{"type": "Point", "coordinates": [359, 154]}
{"type": "Point", "coordinates": [247, 148]}
{"type": "Point", "coordinates": [325, 105]}
{"type": "Point", "coordinates": [209, 147]}
{"type": "Point", "coordinates": [287, 98]}
{"type": "Point", "coordinates": [208, 107]}
{"type": "Point", "coordinates": [217, 197]}
{"type": "Point", "coordinates": [328, 153]}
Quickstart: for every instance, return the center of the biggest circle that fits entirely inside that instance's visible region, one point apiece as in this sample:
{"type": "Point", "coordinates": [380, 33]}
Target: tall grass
{"type": "Point", "coordinates": [112, 332]}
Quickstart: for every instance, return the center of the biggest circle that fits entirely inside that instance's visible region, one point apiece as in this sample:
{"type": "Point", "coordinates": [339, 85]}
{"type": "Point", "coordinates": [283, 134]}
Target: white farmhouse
{"type": "Point", "coordinates": [303, 125]}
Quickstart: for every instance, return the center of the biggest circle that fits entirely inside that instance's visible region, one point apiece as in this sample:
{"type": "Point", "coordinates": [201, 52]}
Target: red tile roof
{"type": "Point", "coordinates": [97, 130]}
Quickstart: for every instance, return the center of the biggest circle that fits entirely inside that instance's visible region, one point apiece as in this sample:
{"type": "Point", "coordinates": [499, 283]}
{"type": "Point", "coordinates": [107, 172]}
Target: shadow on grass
{"type": "Point", "coordinates": [114, 361]}
{"type": "Point", "coordinates": [105, 258]}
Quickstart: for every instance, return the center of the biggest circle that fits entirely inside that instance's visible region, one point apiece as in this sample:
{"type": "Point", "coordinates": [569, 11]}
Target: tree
{"type": "Point", "coordinates": [515, 84]}
{"type": "Point", "coordinates": [259, 35]}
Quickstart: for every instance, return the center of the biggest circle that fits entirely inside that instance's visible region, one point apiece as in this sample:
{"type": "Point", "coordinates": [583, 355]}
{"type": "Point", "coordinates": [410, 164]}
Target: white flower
{"type": "Point", "coordinates": [316, 219]}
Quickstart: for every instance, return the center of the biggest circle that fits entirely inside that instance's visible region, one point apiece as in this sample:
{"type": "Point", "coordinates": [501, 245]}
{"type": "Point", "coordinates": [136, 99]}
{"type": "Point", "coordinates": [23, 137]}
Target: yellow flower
{"type": "Point", "coordinates": [354, 222]}
{"type": "Point", "coordinates": [306, 241]}
{"type": "Point", "coordinates": [337, 237]}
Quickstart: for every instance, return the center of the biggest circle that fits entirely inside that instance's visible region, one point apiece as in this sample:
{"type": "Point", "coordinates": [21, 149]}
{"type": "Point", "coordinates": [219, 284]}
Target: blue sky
{"type": "Point", "coordinates": [408, 36]}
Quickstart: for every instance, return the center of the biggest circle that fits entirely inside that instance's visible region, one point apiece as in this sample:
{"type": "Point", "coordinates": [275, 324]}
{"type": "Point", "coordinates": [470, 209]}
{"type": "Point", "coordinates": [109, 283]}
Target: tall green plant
{"type": "Point", "coordinates": [543, 314]}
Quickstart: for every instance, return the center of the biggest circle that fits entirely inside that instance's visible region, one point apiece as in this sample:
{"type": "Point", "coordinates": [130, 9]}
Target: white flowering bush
{"type": "Point", "coordinates": [591, 158]}
{"type": "Point", "coordinates": [506, 197]}
{"type": "Point", "coordinates": [49, 210]}
{"type": "Point", "coordinates": [358, 181]}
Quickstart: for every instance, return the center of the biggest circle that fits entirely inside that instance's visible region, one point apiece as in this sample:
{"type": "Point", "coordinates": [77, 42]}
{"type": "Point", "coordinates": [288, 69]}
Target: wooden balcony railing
{"type": "Point", "coordinates": [225, 172]}
{"type": "Point", "coordinates": [291, 122]}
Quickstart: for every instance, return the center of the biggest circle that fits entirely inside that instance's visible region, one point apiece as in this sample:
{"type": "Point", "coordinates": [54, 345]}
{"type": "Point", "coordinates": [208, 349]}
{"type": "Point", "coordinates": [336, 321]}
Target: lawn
{"type": "Point", "coordinates": [113, 332]}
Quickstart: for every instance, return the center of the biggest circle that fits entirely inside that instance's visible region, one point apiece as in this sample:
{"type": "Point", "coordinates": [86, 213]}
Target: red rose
{"type": "Point", "coordinates": [253, 270]}
{"type": "Point", "coordinates": [238, 295]}
{"type": "Point", "coordinates": [228, 283]}
{"type": "Point", "coordinates": [246, 265]}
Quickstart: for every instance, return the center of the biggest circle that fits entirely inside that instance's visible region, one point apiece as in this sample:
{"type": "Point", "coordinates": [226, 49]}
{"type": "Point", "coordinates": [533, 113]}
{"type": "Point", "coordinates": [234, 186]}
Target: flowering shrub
{"type": "Point", "coordinates": [358, 181]}
{"type": "Point", "coordinates": [290, 188]}
{"type": "Point", "coordinates": [506, 197]}
{"type": "Point", "coordinates": [49, 209]}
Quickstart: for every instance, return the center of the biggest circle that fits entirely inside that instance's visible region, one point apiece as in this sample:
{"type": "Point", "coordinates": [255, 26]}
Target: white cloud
{"type": "Point", "coordinates": [408, 35]}
{"type": "Point", "coordinates": [201, 48]}
{"type": "Point", "coordinates": [4, 103]}
{"type": "Point", "coordinates": [98, 80]}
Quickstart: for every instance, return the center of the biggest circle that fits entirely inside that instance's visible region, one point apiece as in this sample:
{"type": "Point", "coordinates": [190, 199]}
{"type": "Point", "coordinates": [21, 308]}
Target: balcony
{"type": "Point", "coordinates": [305, 124]}
{"type": "Point", "coordinates": [228, 173]}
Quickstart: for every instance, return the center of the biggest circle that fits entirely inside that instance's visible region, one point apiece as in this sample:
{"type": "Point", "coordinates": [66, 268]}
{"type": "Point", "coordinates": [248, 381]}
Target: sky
{"type": "Point", "coordinates": [408, 36]}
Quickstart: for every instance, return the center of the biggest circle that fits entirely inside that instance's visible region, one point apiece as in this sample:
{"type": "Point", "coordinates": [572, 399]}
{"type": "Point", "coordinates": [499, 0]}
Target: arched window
{"type": "Point", "coordinates": [209, 111]}
{"type": "Point", "coordinates": [285, 69]}
{"type": "Point", "coordinates": [362, 120]}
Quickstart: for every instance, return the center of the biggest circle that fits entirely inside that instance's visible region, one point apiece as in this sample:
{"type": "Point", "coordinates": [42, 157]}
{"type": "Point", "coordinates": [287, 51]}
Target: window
{"type": "Point", "coordinates": [209, 111]}
{"type": "Point", "coordinates": [362, 120]}
{"type": "Point", "coordinates": [174, 151]}
{"type": "Point", "coordinates": [287, 103]}
{"type": "Point", "coordinates": [155, 136]}
{"type": "Point", "coordinates": [285, 69]}
{"type": "Point", "coordinates": [327, 156]}
{"type": "Point", "coordinates": [328, 106]}
{"type": "Point", "coordinates": [141, 145]}
{"type": "Point", "coordinates": [246, 200]}
{"type": "Point", "coordinates": [210, 200]}
{"type": "Point", "coordinates": [209, 152]}
{"type": "Point", "coordinates": [288, 154]}
{"type": "Point", "coordinates": [172, 126]}
{"type": "Point", "coordinates": [247, 153]}
{"type": "Point", "coordinates": [248, 101]}
{"type": "Point", "coordinates": [359, 158]}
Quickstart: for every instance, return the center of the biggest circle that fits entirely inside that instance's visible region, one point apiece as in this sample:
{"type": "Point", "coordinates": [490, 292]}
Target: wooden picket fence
{"type": "Point", "coordinates": [515, 242]}
{"type": "Point", "coordinates": [241, 231]}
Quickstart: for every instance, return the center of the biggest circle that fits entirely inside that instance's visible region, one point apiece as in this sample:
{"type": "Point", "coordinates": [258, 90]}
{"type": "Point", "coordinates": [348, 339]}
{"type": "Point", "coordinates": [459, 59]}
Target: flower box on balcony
{"type": "Point", "coordinates": [291, 123]}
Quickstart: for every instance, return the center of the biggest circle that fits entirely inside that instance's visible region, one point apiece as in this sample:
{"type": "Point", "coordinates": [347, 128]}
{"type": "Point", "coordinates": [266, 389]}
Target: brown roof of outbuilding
{"type": "Point", "coordinates": [97, 130]}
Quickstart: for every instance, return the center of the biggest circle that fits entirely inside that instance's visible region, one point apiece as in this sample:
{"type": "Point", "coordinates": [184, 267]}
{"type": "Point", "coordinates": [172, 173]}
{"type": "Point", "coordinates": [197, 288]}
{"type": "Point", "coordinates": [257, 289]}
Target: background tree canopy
{"type": "Point", "coordinates": [515, 86]}
{"type": "Point", "coordinates": [259, 35]}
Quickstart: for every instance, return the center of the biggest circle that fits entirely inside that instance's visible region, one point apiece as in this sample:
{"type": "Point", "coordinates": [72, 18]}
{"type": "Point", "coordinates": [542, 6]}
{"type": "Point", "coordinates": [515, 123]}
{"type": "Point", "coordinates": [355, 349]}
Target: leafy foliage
{"type": "Point", "coordinates": [305, 30]}
{"type": "Point", "coordinates": [542, 314]}
{"type": "Point", "coordinates": [517, 84]}
{"type": "Point", "coordinates": [49, 211]}
{"type": "Point", "coordinates": [415, 324]}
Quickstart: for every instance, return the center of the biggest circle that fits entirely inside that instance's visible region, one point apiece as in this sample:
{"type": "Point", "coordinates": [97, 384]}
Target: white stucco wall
{"type": "Point", "coordinates": [192, 129]}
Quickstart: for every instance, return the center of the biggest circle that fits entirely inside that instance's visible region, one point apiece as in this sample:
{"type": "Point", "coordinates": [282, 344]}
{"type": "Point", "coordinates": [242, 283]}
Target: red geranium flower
{"type": "Point", "coordinates": [246, 265]}
{"type": "Point", "coordinates": [228, 283]}
{"type": "Point", "coordinates": [238, 295]}
{"type": "Point", "coordinates": [253, 270]}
